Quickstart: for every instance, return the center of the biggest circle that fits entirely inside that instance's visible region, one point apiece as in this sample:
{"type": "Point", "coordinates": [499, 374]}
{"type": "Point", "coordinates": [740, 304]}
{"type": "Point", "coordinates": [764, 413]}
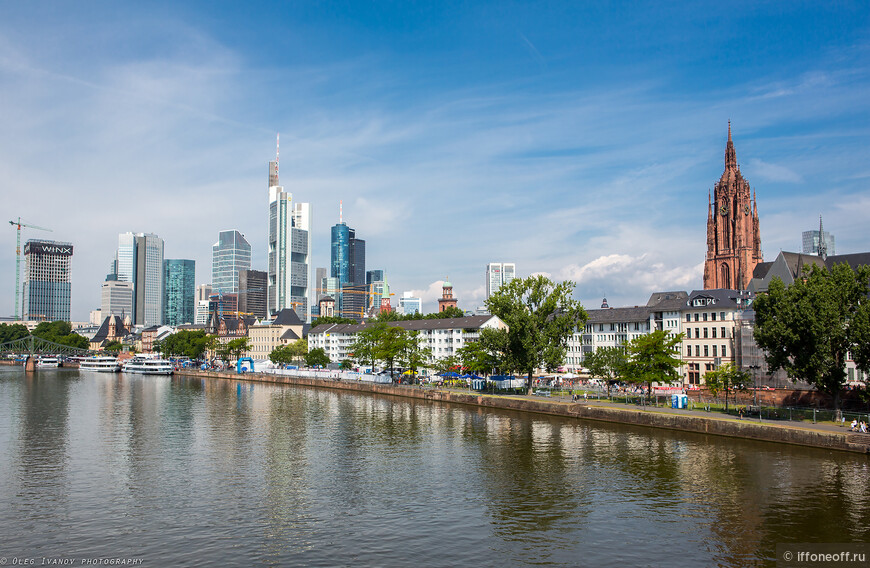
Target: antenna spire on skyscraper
{"type": "Point", "coordinates": [277, 154]}
{"type": "Point", "coordinates": [340, 211]}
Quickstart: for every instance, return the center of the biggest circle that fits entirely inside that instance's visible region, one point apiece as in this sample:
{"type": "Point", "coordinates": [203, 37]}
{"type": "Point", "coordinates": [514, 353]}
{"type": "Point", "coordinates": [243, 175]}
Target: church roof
{"type": "Point", "coordinates": [287, 317]}
{"type": "Point", "coordinates": [103, 332]}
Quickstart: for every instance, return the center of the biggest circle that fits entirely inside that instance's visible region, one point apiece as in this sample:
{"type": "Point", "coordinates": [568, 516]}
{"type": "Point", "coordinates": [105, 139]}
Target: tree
{"type": "Point", "coordinates": [185, 343]}
{"type": "Point", "coordinates": [60, 332]}
{"type": "Point", "coordinates": [724, 379]}
{"type": "Point", "coordinates": [113, 346]}
{"type": "Point", "coordinates": [477, 358]}
{"type": "Point", "coordinates": [235, 348]}
{"type": "Point", "coordinates": [345, 365]}
{"type": "Point", "coordinates": [317, 357]}
{"type": "Point", "coordinates": [326, 320]}
{"type": "Point", "coordinates": [449, 312]}
{"type": "Point", "coordinates": [606, 363]}
{"type": "Point", "coordinates": [366, 343]}
{"type": "Point", "coordinates": [12, 332]}
{"type": "Point", "coordinates": [652, 358]}
{"type": "Point", "coordinates": [413, 355]}
{"type": "Point", "coordinates": [287, 354]}
{"type": "Point", "coordinates": [807, 328]}
{"type": "Point", "coordinates": [446, 364]}
{"type": "Point", "coordinates": [391, 343]}
{"type": "Point", "coordinates": [389, 316]}
{"type": "Point", "coordinates": [540, 316]}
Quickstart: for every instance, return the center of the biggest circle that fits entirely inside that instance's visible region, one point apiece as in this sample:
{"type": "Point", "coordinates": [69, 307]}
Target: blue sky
{"type": "Point", "coordinates": [578, 140]}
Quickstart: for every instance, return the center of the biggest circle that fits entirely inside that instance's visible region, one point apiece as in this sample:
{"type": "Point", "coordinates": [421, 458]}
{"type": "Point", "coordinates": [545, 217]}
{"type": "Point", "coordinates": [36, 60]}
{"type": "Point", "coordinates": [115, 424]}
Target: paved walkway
{"type": "Point", "coordinates": [711, 415]}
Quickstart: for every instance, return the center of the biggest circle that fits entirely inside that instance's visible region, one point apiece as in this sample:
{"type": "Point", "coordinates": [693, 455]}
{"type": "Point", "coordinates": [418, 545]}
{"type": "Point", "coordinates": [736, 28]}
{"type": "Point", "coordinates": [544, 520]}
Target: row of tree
{"type": "Point", "coordinates": [56, 331]}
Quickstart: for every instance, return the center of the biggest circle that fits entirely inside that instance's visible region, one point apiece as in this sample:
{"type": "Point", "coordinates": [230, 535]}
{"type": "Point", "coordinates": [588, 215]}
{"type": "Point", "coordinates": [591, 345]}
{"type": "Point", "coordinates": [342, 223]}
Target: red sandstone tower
{"type": "Point", "coordinates": [733, 240]}
{"type": "Point", "coordinates": [446, 300]}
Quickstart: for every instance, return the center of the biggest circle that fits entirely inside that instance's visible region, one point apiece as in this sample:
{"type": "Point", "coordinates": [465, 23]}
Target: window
{"type": "Point", "coordinates": [722, 316]}
{"type": "Point", "coordinates": [697, 317]}
{"type": "Point", "coordinates": [723, 333]}
{"type": "Point", "coordinates": [688, 350]}
{"type": "Point", "coordinates": [714, 333]}
{"type": "Point", "coordinates": [723, 351]}
{"type": "Point", "coordinates": [689, 333]}
{"type": "Point", "coordinates": [688, 317]}
{"type": "Point", "coordinates": [705, 334]}
{"type": "Point", "coordinates": [714, 352]}
{"type": "Point", "coordinates": [697, 350]}
{"type": "Point", "coordinates": [706, 351]}
{"type": "Point", "coordinates": [705, 316]}
{"type": "Point", "coordinates": [713, 316]}
{"type": "Point", "coordinates": [611, 327]}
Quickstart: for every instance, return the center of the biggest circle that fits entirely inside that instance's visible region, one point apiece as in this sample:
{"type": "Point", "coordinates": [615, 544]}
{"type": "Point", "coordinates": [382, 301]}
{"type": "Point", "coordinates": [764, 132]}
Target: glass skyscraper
{"type": "Point", "coordinates": [289, 260]}
{"type": "Point", "coordinates": [230, 255]}
{"type": "Point", "coordinates": [47, 280]}
{"type": "Point", "coordinates": [179, 291]}
{"type": "Point", "coordinates": [139, 260]}
{"type": "Point", "coordinates": [348, 266]}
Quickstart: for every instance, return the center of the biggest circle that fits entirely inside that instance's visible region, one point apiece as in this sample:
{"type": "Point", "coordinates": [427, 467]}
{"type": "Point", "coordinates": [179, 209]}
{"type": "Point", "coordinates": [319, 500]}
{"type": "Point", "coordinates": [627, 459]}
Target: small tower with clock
{"type": "Point", "coordinates": [733, 239]}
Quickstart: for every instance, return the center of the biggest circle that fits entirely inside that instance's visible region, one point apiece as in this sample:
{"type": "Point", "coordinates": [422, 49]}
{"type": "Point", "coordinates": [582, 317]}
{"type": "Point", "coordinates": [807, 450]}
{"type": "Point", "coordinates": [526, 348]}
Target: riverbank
{"type": "Point", "coordinates": [819, 436]}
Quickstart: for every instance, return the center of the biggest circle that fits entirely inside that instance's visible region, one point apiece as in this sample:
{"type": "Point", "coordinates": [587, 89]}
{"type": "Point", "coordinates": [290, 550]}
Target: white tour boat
{"type": "Point", "coordinates": [101, 364]}
{"type": "Point", "coordinates": [148, 366]}
{"type": "Point", "coordinates": [48, 362]}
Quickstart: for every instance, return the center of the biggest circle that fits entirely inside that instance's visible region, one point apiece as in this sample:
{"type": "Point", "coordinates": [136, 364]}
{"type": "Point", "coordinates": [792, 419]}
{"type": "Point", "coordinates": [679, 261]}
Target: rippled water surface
{"type": "Point", "coordinates": [177, 471]}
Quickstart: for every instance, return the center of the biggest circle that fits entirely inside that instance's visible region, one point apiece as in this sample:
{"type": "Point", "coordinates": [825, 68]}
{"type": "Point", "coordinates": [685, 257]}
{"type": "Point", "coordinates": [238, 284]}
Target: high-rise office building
{"type": "Point", "coordinates": [319, 275]}
{"type": "Point", "coordinates": [139, 260]}
{"type": "Point", "coordinates": [230, 255]}
{"type": "Point", "coordinates": [289, 270]}
{"type": "Point", "coordinates": [179, 291]}
{"type": "Point", "coordinates": [253, 285]}
{"type": "Point", "coordinates": [811, 241]}
{"type": "Point", "coordinates": [117, 299]}
{"type": "Point", "coordinates": [348, 255]}
{"type": "Point", "coordinates": [348, 265]}
{"type": "Point", "coordinates": [376, 284]}
{"type": "Point", "coordinates": [374, 276]}
{"type": "Point", "coordinates": [47, 280]}
{"type": "Point", "coordinates": [498, 274]}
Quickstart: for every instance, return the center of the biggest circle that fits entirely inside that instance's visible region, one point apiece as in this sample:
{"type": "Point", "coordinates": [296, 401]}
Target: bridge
{"type": "Point", "coordinates": [33, 345]}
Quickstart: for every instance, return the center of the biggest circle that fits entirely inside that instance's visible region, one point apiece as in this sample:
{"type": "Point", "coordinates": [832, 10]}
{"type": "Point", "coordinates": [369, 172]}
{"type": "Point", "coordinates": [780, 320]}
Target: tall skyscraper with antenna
{"type": "Point", "coordinates": [289, 253]}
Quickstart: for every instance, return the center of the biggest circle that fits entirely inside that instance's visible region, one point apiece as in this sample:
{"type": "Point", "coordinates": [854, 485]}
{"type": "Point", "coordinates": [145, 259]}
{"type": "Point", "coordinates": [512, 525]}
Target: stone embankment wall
{"type": "Point", "coordinates": [786, 397]}
{"type": "Point", "coordinates": [686, 422]}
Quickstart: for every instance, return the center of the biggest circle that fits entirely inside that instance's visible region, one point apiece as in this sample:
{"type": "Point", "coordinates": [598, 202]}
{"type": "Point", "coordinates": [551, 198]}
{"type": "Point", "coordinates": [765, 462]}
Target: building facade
{"type": "Point", "coordinates": [443, 337]}
{"type": "Point", "coordinates": [499, 274]}
{"type": "Point", "coordinates": [289, 254]}
{"type": "Point", "coordinates": [733, 238]}
{"type": "Point", "coordinates": [47, 280]}
{"type": "Point", "coordinates": [230, 255]}
{"type": "Point", "coordinates": [812, 243]}
{"type": "Point", "coordinates": [410, 304]}
{"type": "Point", "coordinates": [117, 299]}
{"type": "Point", "coordinates": [348, 266]}
{"type": "Point", "coordinates": [253, 285]}
{"type": "Point", "coordinates": [179, 291]}
{"type": "Point", "coordinates": [268, 334]}
{"type": "Point", "coordinates": [139, 259]}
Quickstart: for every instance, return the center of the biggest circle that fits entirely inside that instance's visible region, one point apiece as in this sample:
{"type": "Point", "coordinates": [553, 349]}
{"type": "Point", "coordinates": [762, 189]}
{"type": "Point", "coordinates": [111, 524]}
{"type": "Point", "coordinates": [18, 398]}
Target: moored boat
{"type": "Point", "coordinates": [148, 366]}
{"type": "Point", "coordinates": [100, 364]}
{"type": "Point", "coordinates": [48, 362]}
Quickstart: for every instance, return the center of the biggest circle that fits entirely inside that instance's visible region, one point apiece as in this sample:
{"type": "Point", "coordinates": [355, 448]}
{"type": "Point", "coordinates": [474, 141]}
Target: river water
{"type": "Point", "coordinates": [183, 472]}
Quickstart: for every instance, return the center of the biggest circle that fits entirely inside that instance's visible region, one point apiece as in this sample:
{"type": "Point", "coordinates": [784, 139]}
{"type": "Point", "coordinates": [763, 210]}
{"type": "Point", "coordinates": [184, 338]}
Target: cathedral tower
{"type": "Point", "coordinates": [733, 240]}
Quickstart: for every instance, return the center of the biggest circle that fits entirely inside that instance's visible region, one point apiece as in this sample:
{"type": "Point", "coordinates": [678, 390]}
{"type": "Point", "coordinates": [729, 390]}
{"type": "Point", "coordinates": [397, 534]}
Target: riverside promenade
{"type": "Point", "coordinates": [814, 435]}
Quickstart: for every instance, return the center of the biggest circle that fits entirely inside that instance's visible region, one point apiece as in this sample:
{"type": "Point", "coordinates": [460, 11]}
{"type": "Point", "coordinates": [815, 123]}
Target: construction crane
{"type": "Point", "coordinates": [19, 225]}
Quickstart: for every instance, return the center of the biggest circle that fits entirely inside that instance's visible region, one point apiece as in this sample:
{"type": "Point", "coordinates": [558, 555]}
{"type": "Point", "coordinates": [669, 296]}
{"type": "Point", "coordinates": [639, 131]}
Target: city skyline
{"type": "Point", "coordinates": [565, 138]}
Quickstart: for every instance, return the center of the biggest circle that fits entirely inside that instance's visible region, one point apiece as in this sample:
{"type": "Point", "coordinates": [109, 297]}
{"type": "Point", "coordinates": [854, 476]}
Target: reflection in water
{"type": "Point", "coordinates": [182, 471]}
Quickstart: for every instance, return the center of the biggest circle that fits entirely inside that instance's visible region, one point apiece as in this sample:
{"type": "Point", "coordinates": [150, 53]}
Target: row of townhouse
{"type": "Point", "coordinates": [707, 318]}
{"type": "Point", "coordinates": [443, 337]}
